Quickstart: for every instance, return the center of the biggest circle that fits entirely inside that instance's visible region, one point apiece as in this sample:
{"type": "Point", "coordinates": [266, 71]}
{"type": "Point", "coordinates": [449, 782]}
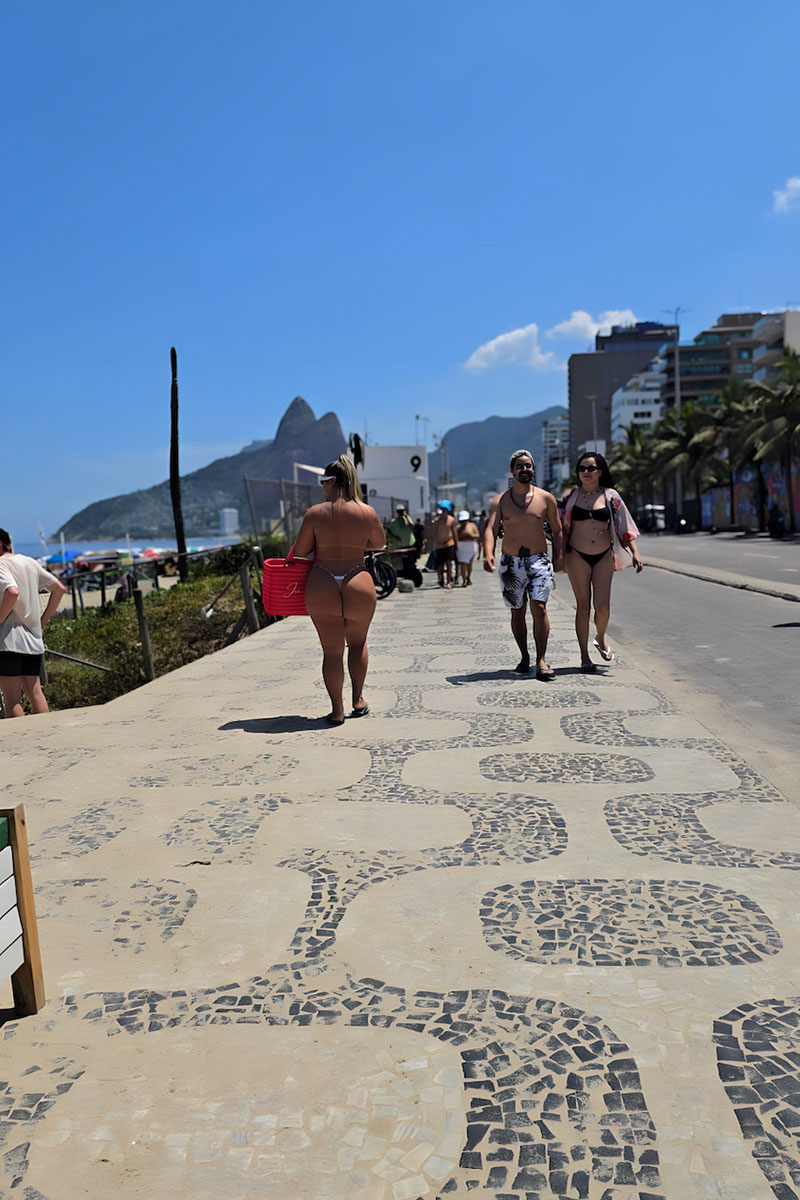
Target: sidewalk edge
{"type": "Point", "coordinates": [745, 585]}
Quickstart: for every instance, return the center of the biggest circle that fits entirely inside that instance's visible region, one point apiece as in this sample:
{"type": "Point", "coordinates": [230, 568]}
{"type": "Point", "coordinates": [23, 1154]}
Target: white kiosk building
{"type": "Point", "coordinates": [396, 471]}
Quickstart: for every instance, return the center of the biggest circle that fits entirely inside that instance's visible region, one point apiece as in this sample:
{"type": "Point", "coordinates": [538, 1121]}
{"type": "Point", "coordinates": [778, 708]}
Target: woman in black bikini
{"type": "Point", "coordinates": [598, 530]}
{"type": "Point", "coordinates": [340, 594]}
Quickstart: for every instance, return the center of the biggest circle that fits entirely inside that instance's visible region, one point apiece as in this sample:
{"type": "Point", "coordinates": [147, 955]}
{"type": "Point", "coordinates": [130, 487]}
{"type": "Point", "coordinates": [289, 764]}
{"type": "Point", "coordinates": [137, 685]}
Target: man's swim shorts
{"type": "Point", "coordinates": [525, 575]}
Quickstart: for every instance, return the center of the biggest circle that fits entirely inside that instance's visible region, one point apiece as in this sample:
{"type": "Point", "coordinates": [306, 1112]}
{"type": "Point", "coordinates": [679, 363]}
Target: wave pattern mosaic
{"type": "Point", "coordinates": [490, 1008]}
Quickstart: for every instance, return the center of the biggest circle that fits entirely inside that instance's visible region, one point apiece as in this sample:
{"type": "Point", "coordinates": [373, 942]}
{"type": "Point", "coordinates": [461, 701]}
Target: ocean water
{"type": "Point", "coordinates": [35, 549]}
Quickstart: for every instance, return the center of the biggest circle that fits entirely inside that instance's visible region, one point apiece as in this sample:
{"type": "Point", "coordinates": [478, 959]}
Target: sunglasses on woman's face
{"type": "Point", "coordinates": [326, 478]}
{"type": "Point", "coordinates": [587, 470]}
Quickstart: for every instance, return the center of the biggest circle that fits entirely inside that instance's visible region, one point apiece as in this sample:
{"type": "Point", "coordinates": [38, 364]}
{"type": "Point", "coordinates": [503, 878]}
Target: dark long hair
{"type": "Point", "coordinates": [605, 473]}
{"type": "Point", "coordinates": [5, 541]}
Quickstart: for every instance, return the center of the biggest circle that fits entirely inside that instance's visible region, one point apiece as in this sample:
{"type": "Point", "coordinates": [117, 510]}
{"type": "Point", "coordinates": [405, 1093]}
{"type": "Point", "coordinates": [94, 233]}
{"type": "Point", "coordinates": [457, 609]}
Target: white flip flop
{"type": "Point", "coordinates": [606, 655]}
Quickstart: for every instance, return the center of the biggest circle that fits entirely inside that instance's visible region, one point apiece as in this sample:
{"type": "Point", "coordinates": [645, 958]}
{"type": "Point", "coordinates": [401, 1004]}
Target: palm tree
{"type": "Point", "coordinates": [676, 450]}
{"type": "Point", "coordinates": [778, 410]}
{"type": "Point", "coordinates": [632, 464]}
{"type": "Point", "coordinates": [720, 438]}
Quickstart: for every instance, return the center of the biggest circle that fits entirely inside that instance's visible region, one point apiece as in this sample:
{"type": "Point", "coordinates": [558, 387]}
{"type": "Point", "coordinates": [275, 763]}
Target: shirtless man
{"type": "Point", "coordinates": [526, 573]}
{"type": "Point", "coordinates": [445, 543]}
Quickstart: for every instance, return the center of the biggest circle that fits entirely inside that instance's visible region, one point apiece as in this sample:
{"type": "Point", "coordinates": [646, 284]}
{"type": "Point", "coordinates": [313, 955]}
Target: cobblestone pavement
{"type": "Point", "coordinates": [500, 937]}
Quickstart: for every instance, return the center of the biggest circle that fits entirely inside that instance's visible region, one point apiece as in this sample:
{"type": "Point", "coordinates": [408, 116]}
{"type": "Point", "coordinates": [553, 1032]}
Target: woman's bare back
{"type": "Point", "coordinates": [339, 533]}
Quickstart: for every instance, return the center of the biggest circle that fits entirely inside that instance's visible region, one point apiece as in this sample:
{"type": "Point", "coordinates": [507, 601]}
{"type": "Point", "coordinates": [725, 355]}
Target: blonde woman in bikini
{"type": "Point", "coordinates": [340, 594]}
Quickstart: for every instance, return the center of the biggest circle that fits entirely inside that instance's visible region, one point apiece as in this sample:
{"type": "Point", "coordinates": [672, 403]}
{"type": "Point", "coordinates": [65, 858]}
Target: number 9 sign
{"type": "Point", "coordinates": [416, 463]}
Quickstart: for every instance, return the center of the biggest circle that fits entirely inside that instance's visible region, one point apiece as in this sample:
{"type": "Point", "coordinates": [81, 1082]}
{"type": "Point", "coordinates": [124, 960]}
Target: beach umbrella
{"type": "Point", "coordinates": [68, 556]}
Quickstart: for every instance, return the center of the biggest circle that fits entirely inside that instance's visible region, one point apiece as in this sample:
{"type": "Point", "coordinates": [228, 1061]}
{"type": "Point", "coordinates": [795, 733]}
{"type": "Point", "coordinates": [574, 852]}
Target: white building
{"type": "Point", "coordinates": [228, 522]}
{"type": "Point", "coordinates": [637, 402]}
{"type": "Point", "coordinates": [774, 333]}
{"type": "Point", "coordinates": [553, 471]}
{"type": "Point", "coordinates": [397, 473]}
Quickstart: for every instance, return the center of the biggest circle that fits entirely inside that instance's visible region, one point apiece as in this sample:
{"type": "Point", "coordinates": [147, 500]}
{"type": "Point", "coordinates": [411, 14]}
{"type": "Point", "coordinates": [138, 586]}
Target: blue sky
{"type": "Point", "coordinates": [353, 201]}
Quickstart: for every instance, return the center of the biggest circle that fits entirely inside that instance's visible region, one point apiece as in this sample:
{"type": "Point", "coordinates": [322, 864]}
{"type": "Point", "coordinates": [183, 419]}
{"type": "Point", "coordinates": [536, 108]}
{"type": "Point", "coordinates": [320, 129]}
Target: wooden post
{"type": "Point", "coordinates": [103, 585]}
{"type": "Point", "coordinates": [27, 983]}
{"type": "Point", "coordinates": [74, 598]}
{"type": "Point", "coordinates": [249, 604]}
{"type": "Point", "coordinates": [144, 634]}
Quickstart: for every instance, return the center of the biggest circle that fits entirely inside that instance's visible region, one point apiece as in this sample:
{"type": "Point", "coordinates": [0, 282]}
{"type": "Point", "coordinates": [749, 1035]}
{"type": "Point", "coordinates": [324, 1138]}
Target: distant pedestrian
{"type": "Point", "coordinates": [468, 537]}
{"type": "Point", "coordinates": [600, 536]}
{"type": "Point", "coordinates": [419, 536]}
{"type": "Point", "coordinates": [526, 573]}
{"type": "Point", "coordinates": [445, 542]}
{"type": "Point", "coordinates": [340, 595]}
{"type": "Point", "coordinates": [480, 521]}
{"type": "Point", "coordinates": [21, 625]}
{"type": "Point", "coordinates": [401, 544]}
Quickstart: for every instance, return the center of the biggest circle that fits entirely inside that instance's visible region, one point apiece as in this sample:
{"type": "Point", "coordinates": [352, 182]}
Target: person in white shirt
{"type": "Point", "coordinates": [21, 625]}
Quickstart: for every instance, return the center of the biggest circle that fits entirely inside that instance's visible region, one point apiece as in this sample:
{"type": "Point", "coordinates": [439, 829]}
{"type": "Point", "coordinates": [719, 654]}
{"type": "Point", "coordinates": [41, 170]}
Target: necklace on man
{"type": "Point", "coordinates": [525, 503]}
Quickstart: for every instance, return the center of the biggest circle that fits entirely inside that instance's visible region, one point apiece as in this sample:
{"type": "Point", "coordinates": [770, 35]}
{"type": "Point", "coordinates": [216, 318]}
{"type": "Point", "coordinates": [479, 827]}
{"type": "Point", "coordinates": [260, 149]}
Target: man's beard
{"type": "Point", "coordinates": [525, 476]}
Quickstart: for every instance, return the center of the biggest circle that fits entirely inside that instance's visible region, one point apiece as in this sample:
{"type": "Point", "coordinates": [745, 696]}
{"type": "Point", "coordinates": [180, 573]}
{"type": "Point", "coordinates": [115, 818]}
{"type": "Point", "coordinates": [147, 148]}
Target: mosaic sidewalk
{"type": "Point", "coordinates": [500, 938]}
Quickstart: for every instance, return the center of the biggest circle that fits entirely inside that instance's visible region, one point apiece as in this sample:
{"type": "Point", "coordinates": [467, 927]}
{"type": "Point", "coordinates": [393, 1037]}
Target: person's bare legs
{"type": "Point", "coordinates": [11, 687]}
{"type": "Point", "coordinates": [32, 688]}
{"type": "Point", "coordinates": [324, 605]}
{"type": "Point", "coordinates": [602, 574]}
{"type": "Point", "coordinates": [541, 632]}
{"type": "Point", "coordinates": [358, 602]}
{"type": "Point", "coordinates": [519, 628]}
{"type": "Point", "coordinates": [580, 576]}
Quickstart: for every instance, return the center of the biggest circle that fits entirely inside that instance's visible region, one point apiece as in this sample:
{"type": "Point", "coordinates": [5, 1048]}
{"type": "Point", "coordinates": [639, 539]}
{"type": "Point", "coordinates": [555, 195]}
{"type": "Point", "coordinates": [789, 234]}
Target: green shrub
{"type": "Point", "coordinates": [180, 632]}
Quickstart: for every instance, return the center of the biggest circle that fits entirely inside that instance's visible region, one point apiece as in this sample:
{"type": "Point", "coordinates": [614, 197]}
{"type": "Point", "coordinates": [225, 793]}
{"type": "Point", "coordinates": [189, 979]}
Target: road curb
{"type": "Point", "coordinates": [725, 580]}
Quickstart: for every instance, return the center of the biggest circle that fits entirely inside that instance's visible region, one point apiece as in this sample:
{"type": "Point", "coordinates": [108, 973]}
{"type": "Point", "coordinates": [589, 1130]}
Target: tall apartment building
{"type": "Point", "coordinates": [555, 453]}
{"type": "Point", "coordinates": [637, 402]}
{"type": "Point", "coordinates": [723, 352]}
{"type": "Point", "coordinates": [773, 333]}
{"type": "Point", "coordinates": [593, 377]}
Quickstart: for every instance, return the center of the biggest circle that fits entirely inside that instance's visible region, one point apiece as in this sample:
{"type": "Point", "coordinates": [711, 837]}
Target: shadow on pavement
{"type": "Point", "coordinates": [787, 625]}
{"type": "Point", "coordinates": [288, 724]}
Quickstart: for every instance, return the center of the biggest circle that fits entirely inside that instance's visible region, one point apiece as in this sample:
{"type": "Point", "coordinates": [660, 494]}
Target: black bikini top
{"type": "Point", "coordinates": [591, 514]}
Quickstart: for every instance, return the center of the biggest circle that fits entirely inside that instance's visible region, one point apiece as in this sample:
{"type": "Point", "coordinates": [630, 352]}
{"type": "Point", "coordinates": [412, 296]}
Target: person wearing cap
{"type": "Point", "coordinates": [519, 516]}
{"type": "Point", "coordinates": [21, 625]}
{"type": "Point", "coordinates": [468, 537]}
{"type": "Point", "coordinates": [402, 544]}
{"type": "Point", "coordinates": [445, 543]}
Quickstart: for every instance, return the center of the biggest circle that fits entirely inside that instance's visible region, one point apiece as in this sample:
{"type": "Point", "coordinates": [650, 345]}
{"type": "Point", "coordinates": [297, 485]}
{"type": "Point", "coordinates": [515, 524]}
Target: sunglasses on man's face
{"type": "Point", "coordinates": [522, 466]}
{"type": "Point", "coordinates": [588, 470]}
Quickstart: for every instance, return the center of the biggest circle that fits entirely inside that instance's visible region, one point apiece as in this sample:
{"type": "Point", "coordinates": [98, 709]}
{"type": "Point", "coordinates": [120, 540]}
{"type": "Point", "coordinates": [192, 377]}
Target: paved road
{"type": "Point", "coordinates": [727, 655]}
{"type": "Point", "coordinates": [757, 557]}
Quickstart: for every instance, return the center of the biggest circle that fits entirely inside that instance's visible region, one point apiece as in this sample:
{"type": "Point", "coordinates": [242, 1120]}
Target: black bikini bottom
{"type": "Point", "coordinates": [591, 559]}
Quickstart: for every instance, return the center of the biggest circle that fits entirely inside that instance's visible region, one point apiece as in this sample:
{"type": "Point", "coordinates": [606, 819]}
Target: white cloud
{"type": "Point", "coordinates": [520, 347]}
{"type": "Point", "coordinates": [583, 326]}
{"type": "Point", "coordinates": [788, 197]}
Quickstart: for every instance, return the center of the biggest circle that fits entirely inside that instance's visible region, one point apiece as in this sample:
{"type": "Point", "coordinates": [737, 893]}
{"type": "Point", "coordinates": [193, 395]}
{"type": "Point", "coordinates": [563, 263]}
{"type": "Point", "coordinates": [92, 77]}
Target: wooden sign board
{"type": "Point", "coordinates": [19, 937]}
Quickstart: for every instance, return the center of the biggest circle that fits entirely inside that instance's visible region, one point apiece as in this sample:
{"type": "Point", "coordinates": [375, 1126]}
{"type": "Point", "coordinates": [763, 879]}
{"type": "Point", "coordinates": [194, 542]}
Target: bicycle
{"type": "Point", "coordinates": [383, 575]}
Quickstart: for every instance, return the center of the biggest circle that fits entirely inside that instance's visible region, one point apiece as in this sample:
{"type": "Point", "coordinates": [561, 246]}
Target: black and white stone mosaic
{"type": "Point", "coordinates": [522, 697]}
{"type": "Point", "coordinates": [90, 829]}
{"type": "Point", "coordinates": [565, 768]}
{"type": "Point", "coordinates": [224, 828]}
{"type": "Point", "coordinates": [758, 1060]}
{"type": "Point", "coordinates": [217, 771]}
{"type": "Point", "coordinates": [627, 923]}
{"type": "Point", "coordinates": [555, 1104]}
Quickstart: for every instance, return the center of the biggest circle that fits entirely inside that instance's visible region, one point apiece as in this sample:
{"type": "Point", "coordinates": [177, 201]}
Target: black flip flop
{"type": "Point", "coordinates": [360, 712]}
{"type": "Point", "coordinates": [331, 719]}
{"type": "Point", "coordinates": [545, 676]}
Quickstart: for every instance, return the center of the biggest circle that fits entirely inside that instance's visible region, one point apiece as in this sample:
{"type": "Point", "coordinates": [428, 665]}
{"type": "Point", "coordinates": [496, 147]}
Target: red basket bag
{"type": "Point", "coordinates": [283, 590]}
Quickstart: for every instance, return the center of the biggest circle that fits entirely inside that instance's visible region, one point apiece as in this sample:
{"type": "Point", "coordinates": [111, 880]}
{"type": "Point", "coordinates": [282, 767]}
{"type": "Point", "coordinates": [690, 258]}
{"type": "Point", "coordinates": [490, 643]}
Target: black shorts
{"type": "Point", "coordinates": [445, 554]}
{"type": "Point", "coordinates": [14, 663]}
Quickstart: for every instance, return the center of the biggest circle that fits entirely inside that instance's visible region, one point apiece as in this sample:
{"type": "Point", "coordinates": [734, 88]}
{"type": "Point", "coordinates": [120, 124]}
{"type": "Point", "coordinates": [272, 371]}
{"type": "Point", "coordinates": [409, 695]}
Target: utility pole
{"type": "Point", "coordinates": [174, 472]}
{"type": "Point", "coordinates": [676, 331]}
